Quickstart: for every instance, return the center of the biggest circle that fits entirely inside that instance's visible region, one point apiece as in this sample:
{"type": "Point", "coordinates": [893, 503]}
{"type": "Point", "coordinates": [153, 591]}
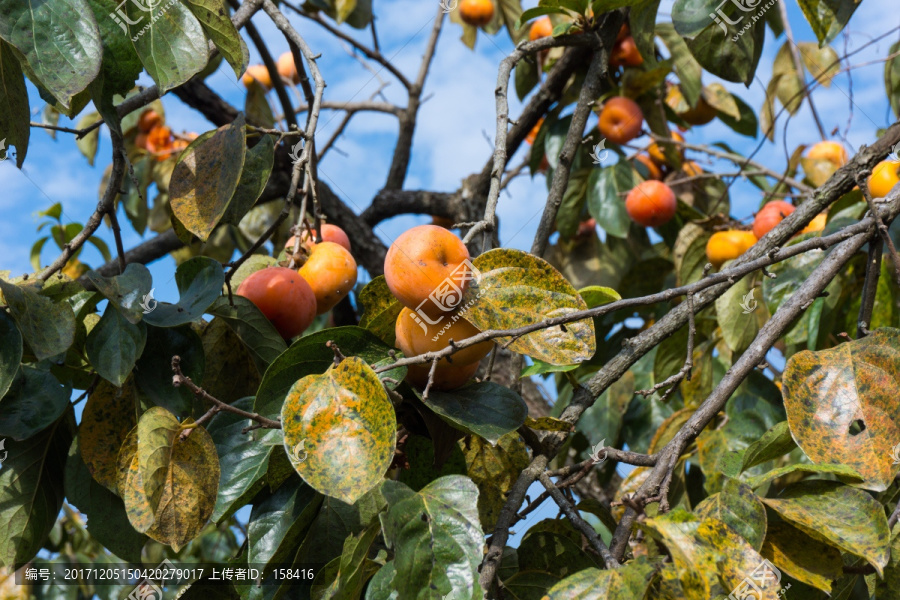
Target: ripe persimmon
{"type": "Point", "coordinates": [287, 68]}
{"type": "Point", "coordinates": [446, 377]}
{"type": "Point", "coordinates": [834, 152]}
{"type": "Point", "coordinates": [477, 13]}
{"type": "Point", "coordinates": [148, 120]}
{"type": "Point", "coordinates": [620, 120]}
{"type": "Point", "coordinates": [260, 74]}
{"type": "Point", "coordinates": [691, 168]}
{"type": "Point", "coordinates": [883, 179]}
{"type": "Point", "coordinates": [817, 224]}
{"type": "Point", "coordinates": [625, 53]}
{"type": "Point", "coordinates": [415, 337]}
{"type": "Point", "coordinates": [159, 139]}
{"type": "Point", "coordinates": [656, 148]}
{"type": "Point", "coordinates": [330, 233]}
{"type": "Point", "coordinates": [331, 272]}
{"type": "Point", "coordinates": [728, 245]}
{"type": "Point", "coordinates": [283, 296]}
{"type": "Point", "coordinates": [427, 259]}
{"type": "Point", "coordinates": [541, 28]}
{"type": "Point", "coordinates": [651, 203]}
{"type": "Point", "coordinates": [652, 170]}
{"type": "Point", "coordinates": [532, 135]}
{"type": "Point", "coordinates": [771, 215]}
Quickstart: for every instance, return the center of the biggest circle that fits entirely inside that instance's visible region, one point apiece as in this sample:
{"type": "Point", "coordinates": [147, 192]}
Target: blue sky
{"type": "Point", "coordinates": [452, 139]}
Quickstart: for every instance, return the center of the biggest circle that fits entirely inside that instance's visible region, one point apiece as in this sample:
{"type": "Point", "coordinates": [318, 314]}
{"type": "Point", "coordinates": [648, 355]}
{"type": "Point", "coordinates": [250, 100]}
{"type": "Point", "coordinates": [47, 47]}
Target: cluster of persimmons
{"type": "Point", "coordinates": [154, 136]}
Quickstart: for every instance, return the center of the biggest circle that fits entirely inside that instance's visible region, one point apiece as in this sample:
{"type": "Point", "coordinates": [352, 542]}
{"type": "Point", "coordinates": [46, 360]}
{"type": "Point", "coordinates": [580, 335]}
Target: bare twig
{"type": "Point", "coordinates": [870, 287]}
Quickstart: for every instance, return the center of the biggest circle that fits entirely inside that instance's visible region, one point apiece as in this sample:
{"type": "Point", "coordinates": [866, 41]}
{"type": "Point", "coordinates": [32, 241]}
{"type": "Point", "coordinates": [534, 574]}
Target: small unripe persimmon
{"type": "Point", "coordinates": [651, 203]}
{"type": "Point", "coordinates": [477, 13]}
{"type": "Point", "coordinates": [427, 259]}
{"type": "Point", "coordinates": [331, 272]}
{"type": "Point", "coordinates": [771, 215]}
{"type": "Point", "coordinates": [415, 337]}
{"type": "Point", "coordinates": [620, 120]}
{"type": "Point", "coordinates": [287, 69]}
{"type": "Point", "coordinates": [283, 296]}
{"type": "Point", "coordinates": [728, 245]}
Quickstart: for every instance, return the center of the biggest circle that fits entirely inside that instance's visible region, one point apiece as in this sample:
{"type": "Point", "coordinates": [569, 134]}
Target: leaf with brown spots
{"type": "Point", "coordinates": [739, 508]}
{"type": "Point", "coordinates": [340, 429]}
{"type": "Point", "coordinates": [855, 383]}
{"type": "Point", "coordinates": [802, 557]}
{"type": "Point", "coordinates": [380, 309]}
{"type": "Point", "coordinates": [837, 514]}
{"type": "Point", "coordinates": [494, 469]}
{"type": "Point", "coordinates": [205, 177]}
{"type": "Point", "coordinates": [130, 487]}
{"type": "Point", "coordinates": [626, 583]}
{"type": "Point", "coordinates": [107, 419]}
{"type": "Point", "coordinates": [518, 289]}
{"type": "Point", "coordinates": [179, 477]}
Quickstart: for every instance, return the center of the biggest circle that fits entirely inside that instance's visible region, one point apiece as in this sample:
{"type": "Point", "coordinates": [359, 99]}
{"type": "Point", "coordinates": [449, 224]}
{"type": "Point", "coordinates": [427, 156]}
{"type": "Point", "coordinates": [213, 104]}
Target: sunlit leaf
{"type": "Point", "coordinates": [626, 583]}
{"type": "Point", "coordinates": [379, 309]}
{"type": "Point", "coordinates": [47, 327]}
{"type": "Point", "coordinates": [802, 557]}
{"type": "Point", "coordinates": [107, 418]}
{"type": "Point", "coordinates": [494, 468]}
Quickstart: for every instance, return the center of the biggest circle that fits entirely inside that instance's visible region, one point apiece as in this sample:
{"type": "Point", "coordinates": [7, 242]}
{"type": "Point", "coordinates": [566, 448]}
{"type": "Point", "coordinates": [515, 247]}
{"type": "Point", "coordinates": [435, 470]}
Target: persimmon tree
{"type": "Point", "coordinates": [725, 391]}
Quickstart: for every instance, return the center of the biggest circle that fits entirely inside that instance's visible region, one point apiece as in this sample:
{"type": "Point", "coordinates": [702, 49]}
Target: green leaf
{"type": "Point", "coordinates": [518, 289]}
{"type": "Point", "coordinates": [596, 295]}
{"type": "Point", "coordinates": [121, 65]}
{"type": "Point", "coordinates": [169, 41]}
{"type": "Point", "coordinates": [380, 309]}
{"type": "Point", "coordinates": [105, 512]}
{"type": "Point", "coordinates": [526, 77]}
{"type": "Point", "coordinates": [114, 345]}
{"type": "Point", "coordinates": [739, 326]}
{"type": "Point", "coordinates": [485, 409]}
{"type": "Point", "coordinates": [213, 17]}
{"type": "Point", "coordinates": [802, 557]}
{"type": "Point", "coordinates": [553, 546]}
{"type": "Point", "coordinates": [827, 17]}
{"type": "Point", "coordinates": [254, 329]}
{"type": "Point", "coordinates": [88, 144]}
{"type": "Point", "coordinates": [47, 327]}
{"type": "Point", "coordinates": [34, 401]}
{"type": "Point", "coordinates": [231, 373]}
{"type": "Point", "coordinates": [435, 536]}
{"type": "Point", "coordinates": [258, 163]}
{"type": "Point", "coordinates": [31, 491]}
{"type": "Point", "coordinates": [494, 467]}
{"type": "Point", "coordinates": [739, 508]}
{"type": "Point", "coordinates": [15, 115]}
{"type": "Point", "coordinates": [790, 89]}
{"type": "Point", "coordinates": [352, 569]}
{"type": "Point", "coordinates": [745, 125]}
{"type": "Point", "coordinates": [59, 40]}
{"type": "Point", "coordinates": [340, 430]}
{"type": "Point", "coordinates": [199, 282]}
{"type": "Point", "coordinates": [310, 356]}
{"type": "Point", "coordinates": [538, 11]}
{"type": "Point", "coordinates": [380, 587]}
{"type": "Point", "coordinates": [839, 515]}
{"type": "Point", "coordinates": [605, 202]}
{"type": "Point", "coordinates": [529, 585]}
{"type": "Point", "coordinates": [243, 462]}
{"type": "Point", "coordinates": [153, 371]}
{"type": "Point", "coordinates": [892, 78]}
{"type": "Point", "coordinates": [130, 292]}
{"type": "Point", "coordinates": [278, 523]}
{"type": "Point", "coordinates": [690, 253]}
{"type": "Point", "coordinates": [180, 475]}
{"type": "Point", "coordinates": [206, 177]}
{"type": "Point", "coordinates": [826, 392]}
{"type": "Point", "coordinates": [10, 352]}
{"type": "Point", "coordinates": [686, 66]}
{"type": "Point", "coordinates": [343, 8]}
{"type": "Point", "coordinates": [570, 210]}
{"type": "Point", "coordinates": [629, 582]}
{"type": "Point", "coordinates": [843, 472]}
{"type": "Point", "coordinates": [776, 442]}
{"type": "Point", "coordinates": [108, 417]}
